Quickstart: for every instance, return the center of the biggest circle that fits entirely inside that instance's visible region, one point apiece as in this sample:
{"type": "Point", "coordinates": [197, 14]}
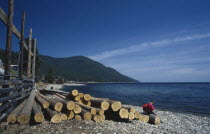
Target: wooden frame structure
{"type": "Point", "coordinates": [15, 90]}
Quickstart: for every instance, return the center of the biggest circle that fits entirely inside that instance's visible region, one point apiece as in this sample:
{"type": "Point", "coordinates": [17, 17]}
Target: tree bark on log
{"type": "Point", "coordinates": [72, 97]}
{"type": "Point", "coordinates": [61, 96]}
{"type": "Point", "coordinates": [53, 102]}
{"type": "Point", "coordinates": [119, 115]}
{"type": "Point", "coordinates": [88, 103]}
{"type": "Point", "coordinates": [55, 116]}
{"type": "Point", "coordinates": [92, 110]}
{"type": "Point", "coordinates": [49, 91]}
{"type": "Point", "coordinates": [25, 114]}
{"type": "Point", "coordinates": [12, 117]}
{"type": "Point", "coordinates": [77, 109]}
{"type": "Point", "coordinates": [38, 115]}
{"type": "Point", "coordinates": [154, 119]}
{"type": "Point", "coordinates": [42, 102]}
{"type": "Point", "coordinates": [99, 103]}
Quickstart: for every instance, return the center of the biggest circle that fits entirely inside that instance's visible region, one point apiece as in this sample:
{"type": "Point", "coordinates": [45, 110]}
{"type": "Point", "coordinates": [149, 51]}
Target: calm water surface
{"type": "Point", "coordinates": [180, 97]}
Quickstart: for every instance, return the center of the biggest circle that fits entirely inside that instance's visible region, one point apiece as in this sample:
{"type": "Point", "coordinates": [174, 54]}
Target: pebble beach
{"type": "Point", "coordinates": [171, 123]}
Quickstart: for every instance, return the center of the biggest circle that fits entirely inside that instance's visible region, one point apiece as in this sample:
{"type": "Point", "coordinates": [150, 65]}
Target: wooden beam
{"type": "Point", "coordinates": [29, 55]}
{"type": "Point", "coordinates": [3, 17]}
{"type": "Point", "coordinates": [17, 88]}
{"type": "Point", "coordinates": [25, 114]}
{"type": "Point", "coordinates": [9, 39]}
{"type": "Point", "coordinates": [10, 82]}
{"type": "Point", "coordinates": [34, 61]}
{"type": "Point", "coordinates": [12, 102]}
{"type": "Point", "coordinates": [21, 46]}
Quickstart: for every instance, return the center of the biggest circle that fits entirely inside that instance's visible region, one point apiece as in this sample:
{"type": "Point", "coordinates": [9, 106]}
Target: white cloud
{"type": "Point", "coordinates": [137, 48]}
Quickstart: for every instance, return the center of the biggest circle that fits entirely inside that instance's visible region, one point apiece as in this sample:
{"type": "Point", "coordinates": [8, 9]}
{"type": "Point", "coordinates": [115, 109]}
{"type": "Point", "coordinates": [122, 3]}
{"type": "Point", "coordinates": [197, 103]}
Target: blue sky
{"type": "Point", "coordinates": [149, 40]}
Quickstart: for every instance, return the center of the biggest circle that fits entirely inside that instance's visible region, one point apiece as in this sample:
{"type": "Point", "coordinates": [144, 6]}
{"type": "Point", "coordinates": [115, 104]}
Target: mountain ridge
{"type": "Point", "coordinates": [81, 68]}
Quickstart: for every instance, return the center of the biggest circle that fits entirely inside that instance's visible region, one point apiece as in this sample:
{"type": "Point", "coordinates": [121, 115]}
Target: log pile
{"type": "Point", "coordinates": [57, 106]}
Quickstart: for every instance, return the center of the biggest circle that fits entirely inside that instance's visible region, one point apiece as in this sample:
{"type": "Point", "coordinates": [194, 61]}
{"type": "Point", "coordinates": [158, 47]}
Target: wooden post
{"type": "Point", "coordinates": [29, 55]}
{"type": "Point", "coordinates": [34, 60]}
{"type": "Point", "coordinates": [22, 45]}
{"type": "Point", "coordinates": [9, 39]}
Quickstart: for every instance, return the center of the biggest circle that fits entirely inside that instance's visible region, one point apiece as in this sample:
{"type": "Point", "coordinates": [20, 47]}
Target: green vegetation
{"type": "Point", "coordinates": [49, 76]}
{"type": "Point", "coordinates": [80, 68]}
{"type": "Point", "coordinates": [14, 61]}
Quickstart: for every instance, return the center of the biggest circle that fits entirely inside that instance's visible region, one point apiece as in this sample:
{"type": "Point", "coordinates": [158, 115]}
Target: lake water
{"type": "Point", "coordinates": [179, 97]}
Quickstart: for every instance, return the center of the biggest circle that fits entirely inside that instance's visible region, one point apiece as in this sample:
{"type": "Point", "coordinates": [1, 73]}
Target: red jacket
{"type": "Point", "coordinates": [148, 107]}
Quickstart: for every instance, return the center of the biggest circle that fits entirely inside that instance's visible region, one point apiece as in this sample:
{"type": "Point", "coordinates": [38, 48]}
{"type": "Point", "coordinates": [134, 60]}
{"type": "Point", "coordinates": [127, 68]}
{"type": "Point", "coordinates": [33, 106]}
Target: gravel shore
{"type": "Point", "coordinates": [171, 122]}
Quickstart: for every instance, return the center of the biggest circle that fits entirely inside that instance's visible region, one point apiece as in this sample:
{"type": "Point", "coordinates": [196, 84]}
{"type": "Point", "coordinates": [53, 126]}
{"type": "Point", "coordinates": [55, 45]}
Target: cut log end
{"type": "Point", "coordinates": [100, 112]}
{"type": "Point", "coordinates": [58, 106]}
{"type": "Point", "coordinates": [93, 111]}
{"type": "Point", "coordinates": [143, 118]}
{"type": "Point", "coordinates": [87, 97]}
{"type": "Point", "coordinates": [42, 102]}
{"type": "Point", "coordinates": [39, 117]}
{"type": "Point", "coordinates": [133, 110]}
{"type": "Point", "coordinates": [123, 113]}
{"type": "Point", "coordinates": [97, 118]}
{"type": "Point", "coordinates": [46, 104]}
{"type": "Point", "coordinates": [74, 92]}
{"type": "Point", "coordinates": [131, 116]}
{"type": "Point", "coordinates": [77, 109]}
{"type": "Point", "coordinates": [56, 119]}
{"type": "Point", "coordinates": [70, 105]}
{"type": "Point", "coordinates": [81, 95]}
{"type": "Point", "coordinates": [88, 103]}
{"type": "Point", "coordinates": [105, 105]}
{"type": "Point", "coordinates": [137, 114]}
{"type": "Point", "coordinates": [103, 117]}
{"type": "Point", "coordinates": [78, 117]}
{"type": "Point", "coordinates": [116, 106]}
{"type": "Point", "coordinates": [70, 115]}
{"type": "Point", "coordinates": [11, 119]}
{"type": "Point", "coordinates": [64, 117]}
{"type": "Point", "coordinates": [77, 98]}
{"type": "Point", "coordinates": [87, 116]}
{"type": "Point", "coordinates": [23, 119]}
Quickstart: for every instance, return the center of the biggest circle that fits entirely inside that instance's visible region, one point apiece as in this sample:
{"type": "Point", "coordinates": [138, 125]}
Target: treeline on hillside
{"type": "Point", "coordinates": [14, 59]}
{"type": "Point", "coordinates": [80, 68]}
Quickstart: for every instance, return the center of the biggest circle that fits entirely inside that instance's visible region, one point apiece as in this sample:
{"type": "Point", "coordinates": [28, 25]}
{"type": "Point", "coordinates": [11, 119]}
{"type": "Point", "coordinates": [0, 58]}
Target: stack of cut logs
{"type": "Point", "coordinates": [57, 106]}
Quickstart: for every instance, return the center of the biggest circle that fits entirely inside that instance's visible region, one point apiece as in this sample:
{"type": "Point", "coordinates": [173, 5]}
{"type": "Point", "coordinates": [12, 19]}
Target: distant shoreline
{"type": "Point", "coordinates": [143, 82]}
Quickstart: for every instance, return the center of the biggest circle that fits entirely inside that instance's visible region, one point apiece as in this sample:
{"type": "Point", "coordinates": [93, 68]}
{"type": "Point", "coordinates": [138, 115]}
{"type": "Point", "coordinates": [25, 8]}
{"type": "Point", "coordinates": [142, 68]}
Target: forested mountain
{"type": "Point", "coordinates": [80, 68]}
